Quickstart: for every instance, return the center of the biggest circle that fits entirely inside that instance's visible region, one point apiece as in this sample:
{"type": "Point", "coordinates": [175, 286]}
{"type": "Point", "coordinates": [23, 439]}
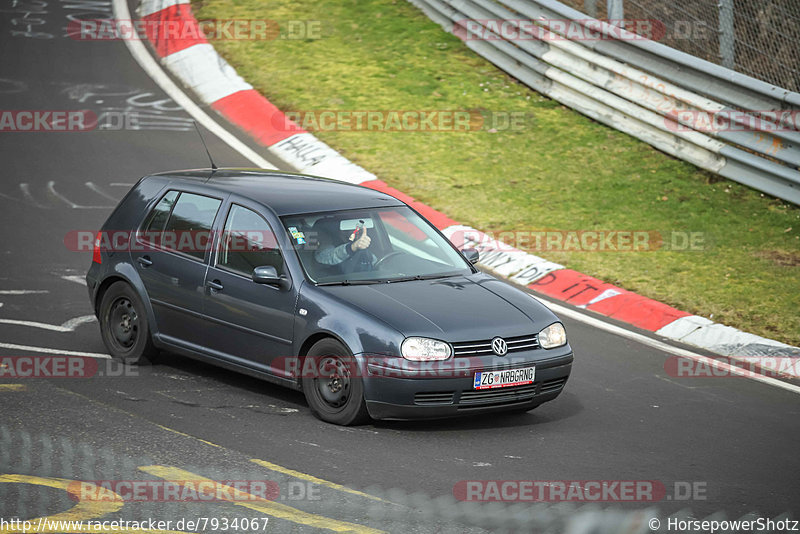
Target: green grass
{"type": "Point", "coordinates": [560, 170]}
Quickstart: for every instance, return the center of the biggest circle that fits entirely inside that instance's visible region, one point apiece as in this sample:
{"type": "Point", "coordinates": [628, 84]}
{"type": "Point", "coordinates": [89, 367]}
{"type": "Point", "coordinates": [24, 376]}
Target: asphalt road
{"type": "Point", "coordinates": [620, 418]}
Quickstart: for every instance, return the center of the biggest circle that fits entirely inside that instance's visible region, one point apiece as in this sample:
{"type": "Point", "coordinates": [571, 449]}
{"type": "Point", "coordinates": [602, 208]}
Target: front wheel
{"type": "Point", "coordinates": [335, 392]}
{"type": "Point", "coordinates": [124, 327]}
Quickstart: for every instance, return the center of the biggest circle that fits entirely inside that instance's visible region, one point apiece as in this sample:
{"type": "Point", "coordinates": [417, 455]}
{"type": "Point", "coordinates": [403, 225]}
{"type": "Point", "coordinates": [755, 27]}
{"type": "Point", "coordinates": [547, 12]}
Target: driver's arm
{"type": "Point", "coordinates": [334, 255]}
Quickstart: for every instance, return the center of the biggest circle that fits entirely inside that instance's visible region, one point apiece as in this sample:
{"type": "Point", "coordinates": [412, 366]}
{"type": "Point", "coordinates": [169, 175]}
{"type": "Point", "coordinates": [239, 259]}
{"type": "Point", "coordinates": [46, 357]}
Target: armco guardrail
{"type": "Point", "coordinates": [664, 97]}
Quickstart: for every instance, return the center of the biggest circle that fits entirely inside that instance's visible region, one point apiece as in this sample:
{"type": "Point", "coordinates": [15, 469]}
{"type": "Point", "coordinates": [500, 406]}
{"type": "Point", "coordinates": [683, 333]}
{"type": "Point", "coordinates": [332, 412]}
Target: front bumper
{"type": "Point", "coordinates": [390, 397]}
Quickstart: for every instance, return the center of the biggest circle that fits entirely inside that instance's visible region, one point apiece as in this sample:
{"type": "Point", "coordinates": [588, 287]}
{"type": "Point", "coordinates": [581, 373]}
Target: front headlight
{"type": "Point", "coordinates": [422, 349]}
{"type": "Point", "coordinates": [553, 336]}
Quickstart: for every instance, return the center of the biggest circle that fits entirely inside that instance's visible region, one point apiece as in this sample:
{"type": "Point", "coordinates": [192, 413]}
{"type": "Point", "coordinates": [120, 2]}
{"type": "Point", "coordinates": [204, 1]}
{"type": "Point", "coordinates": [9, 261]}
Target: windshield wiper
{"type": "Point", "coordinates": [387, 280]}
{"type": "Point", "coordinates": [420, 277]}
{"type": "Point", "coordinates": [351, 283]}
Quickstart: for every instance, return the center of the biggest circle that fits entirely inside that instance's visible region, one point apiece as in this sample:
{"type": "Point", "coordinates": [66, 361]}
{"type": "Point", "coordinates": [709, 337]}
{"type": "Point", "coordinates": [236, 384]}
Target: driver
{"type": "Point", "coordinates": [352, 256]}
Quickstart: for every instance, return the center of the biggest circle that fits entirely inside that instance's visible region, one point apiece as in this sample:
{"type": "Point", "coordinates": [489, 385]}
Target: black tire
{"type": "Point", "coordinates": [335, 393]}
{"type": "Point", "coordinates": [124, 326]}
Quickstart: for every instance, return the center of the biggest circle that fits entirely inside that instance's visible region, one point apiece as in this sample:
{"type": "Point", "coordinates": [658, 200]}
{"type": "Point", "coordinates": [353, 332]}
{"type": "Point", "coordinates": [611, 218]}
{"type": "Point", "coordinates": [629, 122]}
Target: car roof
{"type": "Point", "coordinates": [284, 192]}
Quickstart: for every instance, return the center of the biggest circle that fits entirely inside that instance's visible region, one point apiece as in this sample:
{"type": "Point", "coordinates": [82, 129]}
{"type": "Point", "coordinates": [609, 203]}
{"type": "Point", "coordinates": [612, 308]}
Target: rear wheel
{"type": "Point", "coordinates": [335, 392]}
{"type": "Point", "coordinates": [124, 326]}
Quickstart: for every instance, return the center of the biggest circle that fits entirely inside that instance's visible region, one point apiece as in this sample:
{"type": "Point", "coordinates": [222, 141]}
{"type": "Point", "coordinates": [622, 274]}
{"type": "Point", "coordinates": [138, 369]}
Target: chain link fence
{"type": "Point", "coordinates": [36, 471]}
{"type": "Point", "coordinates": [759, 39]}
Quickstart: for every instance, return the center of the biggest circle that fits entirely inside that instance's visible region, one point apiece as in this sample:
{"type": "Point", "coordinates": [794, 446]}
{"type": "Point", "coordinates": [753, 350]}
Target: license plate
{"type": "Point", "coordinates": [505, 378]}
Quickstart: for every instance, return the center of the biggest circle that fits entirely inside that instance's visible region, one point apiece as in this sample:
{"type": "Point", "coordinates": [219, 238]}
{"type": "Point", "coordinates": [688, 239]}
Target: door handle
{"type": "Point", "coordinates": [145, 261]}
{"type": "Point", "coordinates": [215, 285]}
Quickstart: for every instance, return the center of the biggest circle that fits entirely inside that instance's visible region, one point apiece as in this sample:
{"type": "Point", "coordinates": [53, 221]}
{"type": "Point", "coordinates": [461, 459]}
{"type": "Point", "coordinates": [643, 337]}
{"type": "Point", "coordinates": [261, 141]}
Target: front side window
{"type": "Point", "coordinates": [188, 229]}
{"type": "Point", "coordinates": [248, 242]}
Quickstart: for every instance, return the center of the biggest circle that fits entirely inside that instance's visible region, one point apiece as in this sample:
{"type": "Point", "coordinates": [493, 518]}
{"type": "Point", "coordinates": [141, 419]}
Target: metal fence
{"type": "Point", "coordinates": [759, 39]}
{"type": "Point", "coordinates": [722, 121]}
{"type": "Point", "coordinates": [42, 475]}
{"type": "Point", "coordinates": [36, 470]}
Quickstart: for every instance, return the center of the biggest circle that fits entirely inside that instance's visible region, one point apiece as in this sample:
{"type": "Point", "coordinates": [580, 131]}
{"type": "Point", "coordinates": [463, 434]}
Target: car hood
{"type": "Point", "coordinates": [462, 308]}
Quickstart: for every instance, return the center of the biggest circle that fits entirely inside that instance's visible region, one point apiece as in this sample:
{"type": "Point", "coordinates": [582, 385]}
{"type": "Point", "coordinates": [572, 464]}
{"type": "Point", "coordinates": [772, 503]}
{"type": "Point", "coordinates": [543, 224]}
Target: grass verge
{"type": "Point", "coordinates": [556, 170]}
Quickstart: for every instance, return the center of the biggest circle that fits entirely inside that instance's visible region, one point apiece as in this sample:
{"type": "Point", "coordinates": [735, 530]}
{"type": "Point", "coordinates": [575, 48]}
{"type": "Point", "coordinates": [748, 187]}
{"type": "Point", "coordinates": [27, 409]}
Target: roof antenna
{"type": "Point", "coordinates": [213, 166]}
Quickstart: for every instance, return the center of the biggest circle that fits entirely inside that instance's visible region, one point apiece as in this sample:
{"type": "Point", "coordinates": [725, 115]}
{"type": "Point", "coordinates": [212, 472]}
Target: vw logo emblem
{"type": "Point", "coordinates": [499, 346]}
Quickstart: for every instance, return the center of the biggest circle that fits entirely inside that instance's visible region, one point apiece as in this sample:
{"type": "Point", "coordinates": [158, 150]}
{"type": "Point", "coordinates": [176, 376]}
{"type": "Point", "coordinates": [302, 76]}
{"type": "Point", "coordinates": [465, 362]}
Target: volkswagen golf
{"type": "Point", "coordinates": [334, 289]}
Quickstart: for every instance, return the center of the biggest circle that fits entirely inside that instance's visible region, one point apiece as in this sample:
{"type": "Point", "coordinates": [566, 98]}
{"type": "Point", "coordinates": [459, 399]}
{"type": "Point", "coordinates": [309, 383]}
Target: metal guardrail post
{"type": "Point", "coordinates": [616, 11]}
{"type": "Point", "coordinates": [727, 38]}
{"type": "Point", "coordinates": [590, 8]}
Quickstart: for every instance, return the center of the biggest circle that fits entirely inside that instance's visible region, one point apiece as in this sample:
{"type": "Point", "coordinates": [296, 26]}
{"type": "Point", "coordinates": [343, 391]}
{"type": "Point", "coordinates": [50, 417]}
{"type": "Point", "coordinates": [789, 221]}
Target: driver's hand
{"type": "Point", "coordinates": [362, 242]}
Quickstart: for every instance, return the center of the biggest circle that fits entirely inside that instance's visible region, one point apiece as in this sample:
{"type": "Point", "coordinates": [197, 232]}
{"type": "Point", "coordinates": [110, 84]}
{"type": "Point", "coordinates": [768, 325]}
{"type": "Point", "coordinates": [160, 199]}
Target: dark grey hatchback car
{"type": "Point", "coordinates": [334, 289]}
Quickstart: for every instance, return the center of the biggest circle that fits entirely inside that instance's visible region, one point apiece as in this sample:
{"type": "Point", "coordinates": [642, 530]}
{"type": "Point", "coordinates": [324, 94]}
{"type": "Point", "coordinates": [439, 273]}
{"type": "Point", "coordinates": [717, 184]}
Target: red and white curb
{"type": "Point", "coordinates": [200, 68]}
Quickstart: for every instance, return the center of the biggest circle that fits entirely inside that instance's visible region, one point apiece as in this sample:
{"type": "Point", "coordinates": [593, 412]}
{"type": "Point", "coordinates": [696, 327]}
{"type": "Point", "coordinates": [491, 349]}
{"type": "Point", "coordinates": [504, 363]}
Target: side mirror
{"type": "Point", "coordinates": [472, 255]}
{"type": "Point", "coordinates": [268, 275]}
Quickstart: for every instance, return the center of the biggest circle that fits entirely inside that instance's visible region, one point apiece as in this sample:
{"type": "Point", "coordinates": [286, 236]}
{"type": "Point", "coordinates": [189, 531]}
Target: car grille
{"type": "Point", "coordinates": [434, 397]}
{"type": "Point", "coordinates": [499, 395]}
{"type": "Point", "coordinates": [484, 347]}
{"type": "Point", "coordinates": [548, 386]}
{"type": "Point", "coordinates": [485, 397]}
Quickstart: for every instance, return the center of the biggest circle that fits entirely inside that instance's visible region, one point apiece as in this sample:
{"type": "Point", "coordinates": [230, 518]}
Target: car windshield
{"type": "Point", "coordinates": [371, 246]}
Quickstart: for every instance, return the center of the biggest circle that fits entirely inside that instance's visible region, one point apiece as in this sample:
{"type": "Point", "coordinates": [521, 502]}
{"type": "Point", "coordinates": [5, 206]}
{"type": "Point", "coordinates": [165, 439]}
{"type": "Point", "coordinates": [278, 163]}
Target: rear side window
{"type": "Point", "coordinates": [188, 228]}
{"type": "Point", "coordinates": [247, 243]}
{"type": "Point", "coordinates": [157, 219]}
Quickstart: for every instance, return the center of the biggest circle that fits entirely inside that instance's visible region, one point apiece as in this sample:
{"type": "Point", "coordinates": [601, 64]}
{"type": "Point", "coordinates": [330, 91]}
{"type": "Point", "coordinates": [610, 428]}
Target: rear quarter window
{"type": "Point", "coordinates": [156, 220]}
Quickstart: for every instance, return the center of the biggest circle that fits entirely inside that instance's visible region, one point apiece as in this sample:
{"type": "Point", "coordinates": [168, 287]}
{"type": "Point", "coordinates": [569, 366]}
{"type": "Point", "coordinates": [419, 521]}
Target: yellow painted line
{"type": "Point", "coordinates": [81, 511]}
{"type": "Point", "coordinates": [259, 504]}
{"type": "Point", "coordinates": [168, 429]}
{"type": "Point", "coordinates": [85, 510]}
{"type": "Point", "coordinates": [310, 478]}
{"type": "Point", "coordinates": [286, 470]}
{"type": "Point", "coordinates": [13, 387]}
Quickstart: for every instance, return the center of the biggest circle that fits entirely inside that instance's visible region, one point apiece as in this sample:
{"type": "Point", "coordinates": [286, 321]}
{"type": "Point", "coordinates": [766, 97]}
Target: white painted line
{"type": "Point", "coordinates": [120, 184]}
{"type": "Point", "coordinates": [660, 345]}
{"type": "Point", "coordinates": [75, 322]}
{"type": "Point", "coordinates": [149, 65]}
{"type": "Point", "coordinates": [26, 192]}
{"type": "Point", "coordinates": [68, 326]}
{"type": "Point", "coordinates": [22, 291]}
{"type": "Point", "coordinates": [78, 279]}
{"type": "Point", "coordinates": [51, 187]}
{"type": "Point", "coordinates": [100, 192]}
{"type": "Point", "coordinates": [46, 350]}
